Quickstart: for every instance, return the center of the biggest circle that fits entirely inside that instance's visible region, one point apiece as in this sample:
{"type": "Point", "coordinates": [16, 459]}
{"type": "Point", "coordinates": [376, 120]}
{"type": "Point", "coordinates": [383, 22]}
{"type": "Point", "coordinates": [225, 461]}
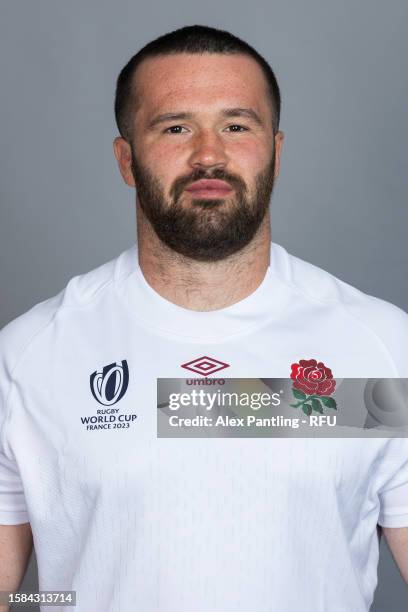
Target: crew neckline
{"type": "Point", "coordinates": [158, 313]}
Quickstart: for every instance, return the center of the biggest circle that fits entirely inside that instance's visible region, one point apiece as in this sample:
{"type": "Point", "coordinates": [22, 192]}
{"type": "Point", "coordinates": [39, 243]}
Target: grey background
{"type": "Point", "coordinates": [340, 202]}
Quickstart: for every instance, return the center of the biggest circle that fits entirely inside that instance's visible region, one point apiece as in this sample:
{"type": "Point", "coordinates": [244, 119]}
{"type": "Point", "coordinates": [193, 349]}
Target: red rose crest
{"type": "Point", "coordinates": [313, 385]}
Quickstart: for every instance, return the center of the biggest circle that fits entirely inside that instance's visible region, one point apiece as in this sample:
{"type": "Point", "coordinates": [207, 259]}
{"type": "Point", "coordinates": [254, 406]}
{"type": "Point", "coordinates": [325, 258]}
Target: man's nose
{"type": "Point", "coordinates": [208, 150]}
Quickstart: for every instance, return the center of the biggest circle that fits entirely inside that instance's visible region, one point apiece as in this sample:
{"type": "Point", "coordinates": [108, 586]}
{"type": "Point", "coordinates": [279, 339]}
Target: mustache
{"type": "Point", "coordinates": [181, 183]}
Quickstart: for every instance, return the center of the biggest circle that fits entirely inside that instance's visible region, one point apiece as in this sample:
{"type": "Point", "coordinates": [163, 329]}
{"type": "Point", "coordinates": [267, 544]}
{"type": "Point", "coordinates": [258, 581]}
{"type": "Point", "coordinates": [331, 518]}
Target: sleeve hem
{"type": "Point", "coordinates": [13, 517]}
{"type": "Point", "coordinates": [394, 520]}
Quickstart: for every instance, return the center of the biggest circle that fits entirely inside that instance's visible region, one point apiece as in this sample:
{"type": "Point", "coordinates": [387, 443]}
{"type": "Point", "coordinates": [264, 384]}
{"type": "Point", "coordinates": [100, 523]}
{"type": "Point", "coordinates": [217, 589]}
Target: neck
{"type": "Point", "coordinates": [198, 285]}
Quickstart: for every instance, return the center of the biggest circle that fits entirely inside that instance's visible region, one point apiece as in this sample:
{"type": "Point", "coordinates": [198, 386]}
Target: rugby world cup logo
{"type": "Point", "coordinates": [110, 385]}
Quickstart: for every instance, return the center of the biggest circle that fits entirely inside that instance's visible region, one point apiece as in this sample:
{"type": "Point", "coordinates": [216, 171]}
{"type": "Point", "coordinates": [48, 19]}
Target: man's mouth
{"type": "Point", "coordinates": [209, 188]}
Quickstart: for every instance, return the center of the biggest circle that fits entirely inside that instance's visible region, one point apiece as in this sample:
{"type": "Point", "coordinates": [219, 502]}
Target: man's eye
{"type": "Point", "coordinates": [174, 129]}
{"type": "Point", "coordinates": [237, 128]}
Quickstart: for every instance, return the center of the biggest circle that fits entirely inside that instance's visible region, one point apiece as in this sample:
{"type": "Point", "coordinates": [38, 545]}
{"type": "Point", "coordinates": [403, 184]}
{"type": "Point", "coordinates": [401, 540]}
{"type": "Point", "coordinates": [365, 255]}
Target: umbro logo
{"type": "Point", "coordinates": [205, 365]}
{"type": "Point", "coordinates": [109, 385]}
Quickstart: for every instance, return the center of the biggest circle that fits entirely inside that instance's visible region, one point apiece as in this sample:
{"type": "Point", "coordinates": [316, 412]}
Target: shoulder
{"type": "Point", "coordinates": [379, 317]}
{"type": "Point", "coordinates": [79, 292]}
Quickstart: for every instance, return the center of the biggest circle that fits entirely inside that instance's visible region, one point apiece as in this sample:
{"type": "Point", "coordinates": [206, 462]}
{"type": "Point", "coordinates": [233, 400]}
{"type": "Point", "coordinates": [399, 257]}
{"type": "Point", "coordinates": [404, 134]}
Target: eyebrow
{"type": "Point", "coordinates": [243, 112]}
{"type": "Point", "coordinates": [168, 117]}
{"type": "Point", "coordinates": [249, 113]}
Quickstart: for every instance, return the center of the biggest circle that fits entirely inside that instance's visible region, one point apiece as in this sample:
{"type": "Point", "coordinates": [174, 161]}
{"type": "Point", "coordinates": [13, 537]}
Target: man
{"type": "Point", "coordinates": [131, 521]}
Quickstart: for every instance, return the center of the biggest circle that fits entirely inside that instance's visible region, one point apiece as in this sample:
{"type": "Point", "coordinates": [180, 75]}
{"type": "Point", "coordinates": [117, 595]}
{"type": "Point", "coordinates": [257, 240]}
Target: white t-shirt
{"type": "Point", "coordinates": [131, 521]}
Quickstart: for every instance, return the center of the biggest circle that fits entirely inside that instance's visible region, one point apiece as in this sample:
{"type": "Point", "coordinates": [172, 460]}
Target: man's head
{"type": "Point", "coordinates": [199, 104]}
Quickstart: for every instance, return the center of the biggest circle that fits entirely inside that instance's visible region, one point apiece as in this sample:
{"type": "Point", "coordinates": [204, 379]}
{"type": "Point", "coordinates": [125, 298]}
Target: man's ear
{"type": "Point", "coordinates": [279, 136]}
{"type": "Point", "coordinates": [123, 154]}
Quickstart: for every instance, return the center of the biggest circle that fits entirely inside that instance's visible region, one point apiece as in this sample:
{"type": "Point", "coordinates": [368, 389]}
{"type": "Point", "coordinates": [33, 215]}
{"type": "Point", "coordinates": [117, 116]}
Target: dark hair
{"type": "Point", "coordinates": [189, 39]}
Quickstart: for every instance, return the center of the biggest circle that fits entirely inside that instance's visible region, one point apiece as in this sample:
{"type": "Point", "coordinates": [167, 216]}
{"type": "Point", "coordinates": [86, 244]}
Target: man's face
{"type": "Point", "coordinates": [203, 155]}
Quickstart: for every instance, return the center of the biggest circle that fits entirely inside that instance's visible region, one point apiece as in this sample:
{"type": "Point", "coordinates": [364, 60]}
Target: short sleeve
{"type": "Point", "coordinates": [13, 510]}
{"type": "Point", "coordinates": [393, 494]}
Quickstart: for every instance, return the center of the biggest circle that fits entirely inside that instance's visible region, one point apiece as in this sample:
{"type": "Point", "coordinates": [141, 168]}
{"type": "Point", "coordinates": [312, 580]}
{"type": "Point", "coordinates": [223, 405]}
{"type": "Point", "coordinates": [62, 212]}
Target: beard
{"type": "Point", "coordinates": [204, 229]}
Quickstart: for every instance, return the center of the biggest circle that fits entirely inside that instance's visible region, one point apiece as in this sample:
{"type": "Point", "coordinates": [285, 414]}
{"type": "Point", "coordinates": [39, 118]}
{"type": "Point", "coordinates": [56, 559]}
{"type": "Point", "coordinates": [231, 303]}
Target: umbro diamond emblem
{"type": "Point", "coordinates": [205, 365]}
